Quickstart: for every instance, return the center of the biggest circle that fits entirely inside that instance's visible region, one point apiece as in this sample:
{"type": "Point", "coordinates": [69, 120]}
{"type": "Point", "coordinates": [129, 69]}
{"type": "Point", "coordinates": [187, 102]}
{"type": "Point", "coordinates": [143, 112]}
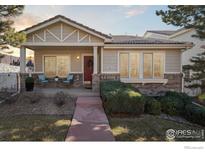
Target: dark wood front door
{"type": "Point", "coordinates": [88, 68]}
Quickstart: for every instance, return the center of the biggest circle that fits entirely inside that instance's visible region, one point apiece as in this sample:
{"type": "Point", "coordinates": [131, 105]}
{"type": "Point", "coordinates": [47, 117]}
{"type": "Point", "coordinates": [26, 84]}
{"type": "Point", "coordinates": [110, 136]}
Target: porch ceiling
{"type": "Point", "coordinates": [59, 47]}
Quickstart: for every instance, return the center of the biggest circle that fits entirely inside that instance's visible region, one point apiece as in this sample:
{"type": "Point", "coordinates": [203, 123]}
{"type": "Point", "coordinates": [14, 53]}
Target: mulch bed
{"type": "Point", "coordinates": [21, 105]}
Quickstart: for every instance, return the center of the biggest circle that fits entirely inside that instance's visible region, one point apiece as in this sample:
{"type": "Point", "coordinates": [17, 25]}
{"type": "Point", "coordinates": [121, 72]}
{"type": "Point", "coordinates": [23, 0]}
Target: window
{"type": "Point", "coordinates": [134, 65]}
{"type": "Point", "coordinates": [129, 65]}
{"type": "Point", "coordinates": [56, 66]}
{"type": "Point", "coordinates": [153, 65]}
{"type": "Point", "coordinates": [124, 62]}
{"type": "Point", "coordinates": [50, 66]}
{"type": "Point", "coordinates": [158, 65]}
{"type": "Point", "coordinates": [147, 66]}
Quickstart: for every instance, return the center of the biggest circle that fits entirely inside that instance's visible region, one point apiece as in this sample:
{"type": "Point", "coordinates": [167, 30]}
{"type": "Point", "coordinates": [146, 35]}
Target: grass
{"type": "Point", "coordinates": [34, 128]}
{"type": "Point", "coordinates": [145, 128]}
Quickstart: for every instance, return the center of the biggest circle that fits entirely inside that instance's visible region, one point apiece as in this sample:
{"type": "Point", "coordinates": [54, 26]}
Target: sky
{"type": "Point", "coordinates": [110, 19]}
{"type": "Point", "coordinates": [107, 19]}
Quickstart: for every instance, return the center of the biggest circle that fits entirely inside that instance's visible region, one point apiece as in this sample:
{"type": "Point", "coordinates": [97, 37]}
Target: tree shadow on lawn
{"type": "Point", "coordinates": [34, 128]}
{"type": "Point", "coordinates": [146, 128]}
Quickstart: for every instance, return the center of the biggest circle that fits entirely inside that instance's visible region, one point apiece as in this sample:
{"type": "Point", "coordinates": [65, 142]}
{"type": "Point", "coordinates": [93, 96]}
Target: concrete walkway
{"type": "Point", "coordinates": [89, 121]}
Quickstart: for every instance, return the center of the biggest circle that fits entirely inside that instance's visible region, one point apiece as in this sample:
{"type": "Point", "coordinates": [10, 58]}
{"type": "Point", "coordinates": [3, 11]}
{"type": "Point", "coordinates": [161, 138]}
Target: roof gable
{"type": "Point", "coordinates": [63, 19]}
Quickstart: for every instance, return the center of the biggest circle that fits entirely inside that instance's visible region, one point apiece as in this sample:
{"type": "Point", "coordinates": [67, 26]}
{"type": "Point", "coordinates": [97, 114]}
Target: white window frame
{"type": "Point", "coordinates": [141, 78]}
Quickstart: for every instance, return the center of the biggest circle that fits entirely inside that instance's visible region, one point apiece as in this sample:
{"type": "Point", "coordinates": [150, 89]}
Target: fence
{"type": "Point", "coordinates": [9, 82]}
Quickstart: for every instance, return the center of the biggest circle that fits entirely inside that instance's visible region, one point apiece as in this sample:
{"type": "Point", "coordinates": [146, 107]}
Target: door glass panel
{"type": "Point", "coordinates": [50, 66]}
{"type": "Point", "coordinates": [134, 64]}
{"type": "Point", "coordinates": [124, 71]}
{"type": "Point", "coordinates": [158, 65]}
{"type": "Point", "coordinates": [63, 64]}
{"type": "Point", "coordinates": [148, 68]}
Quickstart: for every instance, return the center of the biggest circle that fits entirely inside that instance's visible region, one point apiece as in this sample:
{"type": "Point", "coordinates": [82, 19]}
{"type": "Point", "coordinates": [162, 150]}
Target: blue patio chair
{"type": "Point", "coordinates": [69, 79]}
{"type": "Point", "coordinates": [42, 78]}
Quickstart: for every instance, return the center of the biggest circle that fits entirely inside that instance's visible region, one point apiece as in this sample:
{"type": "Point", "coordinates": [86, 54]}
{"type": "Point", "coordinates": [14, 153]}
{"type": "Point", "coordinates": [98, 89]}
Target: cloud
{"type": "Point", "coordinates": [25, 20]}
{"type": "Point", "coordinates": [135, 11]}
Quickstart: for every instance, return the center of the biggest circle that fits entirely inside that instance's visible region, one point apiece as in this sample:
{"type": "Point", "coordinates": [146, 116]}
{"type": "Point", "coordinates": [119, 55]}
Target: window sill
{"type": "Point", "coordinates": [144, 81]}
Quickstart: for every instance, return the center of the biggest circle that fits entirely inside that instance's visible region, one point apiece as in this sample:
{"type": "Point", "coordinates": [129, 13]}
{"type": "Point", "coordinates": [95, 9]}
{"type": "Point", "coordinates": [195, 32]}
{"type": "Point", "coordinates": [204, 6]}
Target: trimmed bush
{"type": "Point", "coordinates": [152, 106]}
{"type": "Point", "coordinates": [195, 113]}
{"type": "Point", "coordinates": [119, 98]}
{"type": "Point", "coordinates": [201, 99]}
{"type": "Point", "coordinates": [174, 103]}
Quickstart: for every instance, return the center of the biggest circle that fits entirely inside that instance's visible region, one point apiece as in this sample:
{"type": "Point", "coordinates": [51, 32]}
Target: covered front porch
{"type": "Point", "coordinates": [83, 62]}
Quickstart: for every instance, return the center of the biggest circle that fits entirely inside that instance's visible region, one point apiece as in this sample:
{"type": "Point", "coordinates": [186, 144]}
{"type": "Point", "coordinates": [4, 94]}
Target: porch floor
{"type": "Point", "coordinates": [74, 91]}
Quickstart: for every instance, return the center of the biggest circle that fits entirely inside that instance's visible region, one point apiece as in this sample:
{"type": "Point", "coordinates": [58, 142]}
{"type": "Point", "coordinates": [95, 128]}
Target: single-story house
{"type": "Point", "coordinates": [62, 46]}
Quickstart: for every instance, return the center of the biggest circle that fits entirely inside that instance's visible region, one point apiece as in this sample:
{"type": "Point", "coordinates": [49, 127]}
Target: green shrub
{"type": "Point", "coordinates": [121, 98]}
{"type": "Point", "coordinates": [168, 105]}
{"type": "Point", "coordinates": [152, 106]}
{"type": "Point", "coordinates": [201, 97]}
{"type": "Point", "coordinates": [173, 103]}
{"type": "Point", "coordinates": [195, 113]}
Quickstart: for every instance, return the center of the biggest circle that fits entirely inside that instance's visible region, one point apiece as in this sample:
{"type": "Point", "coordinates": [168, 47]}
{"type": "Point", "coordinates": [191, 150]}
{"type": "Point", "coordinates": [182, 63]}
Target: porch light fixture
{"type": "Point", "coordinates": [78, 57]}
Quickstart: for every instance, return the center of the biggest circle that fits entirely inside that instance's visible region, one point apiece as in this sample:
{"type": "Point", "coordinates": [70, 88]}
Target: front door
{"type": "Point", "coordinates": [88, 69]}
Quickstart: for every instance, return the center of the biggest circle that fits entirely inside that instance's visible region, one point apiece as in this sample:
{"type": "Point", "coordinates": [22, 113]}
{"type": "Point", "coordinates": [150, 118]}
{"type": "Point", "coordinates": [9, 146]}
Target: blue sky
{"type": "Point", "coordinates": [108, 19]}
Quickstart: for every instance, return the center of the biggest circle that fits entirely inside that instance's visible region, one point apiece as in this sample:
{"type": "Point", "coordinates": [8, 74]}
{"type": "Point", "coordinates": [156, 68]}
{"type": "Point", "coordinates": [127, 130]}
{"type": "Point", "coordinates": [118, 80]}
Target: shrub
{"type": "Point", "coordinates": [195, 113]}
{"type": "Point", "coordinates": [168, 105]}
{"type": "Point", "coordinates": [121, 98]}
{"type": "Point", "coordinates": [201, 97]}
{"type": "Point", "coordinates": [173, 103]}
{"type": "Point", "coordinates": [60, 98]}
{"type": "Point", "coordinates": [152, 106]}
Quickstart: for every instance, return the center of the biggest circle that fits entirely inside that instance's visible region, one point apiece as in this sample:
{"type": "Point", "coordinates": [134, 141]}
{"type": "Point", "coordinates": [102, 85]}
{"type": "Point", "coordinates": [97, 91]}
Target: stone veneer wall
{"type": "Point", "coordinates": [174, 84]}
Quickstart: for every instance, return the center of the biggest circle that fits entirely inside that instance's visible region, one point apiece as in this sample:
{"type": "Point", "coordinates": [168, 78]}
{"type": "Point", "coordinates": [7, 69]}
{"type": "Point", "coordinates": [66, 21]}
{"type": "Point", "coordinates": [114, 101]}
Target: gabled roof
{"type": "Point", "coordinates": [131, 39]}
{"type": "Point", "coordinates": [68, 20]}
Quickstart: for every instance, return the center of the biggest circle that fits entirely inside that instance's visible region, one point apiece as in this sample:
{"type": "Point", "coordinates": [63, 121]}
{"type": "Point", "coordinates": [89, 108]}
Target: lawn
{"type": "Point", "coordinates": [34, 128]}
{"type": "Point", "coordinates": [145, 128]}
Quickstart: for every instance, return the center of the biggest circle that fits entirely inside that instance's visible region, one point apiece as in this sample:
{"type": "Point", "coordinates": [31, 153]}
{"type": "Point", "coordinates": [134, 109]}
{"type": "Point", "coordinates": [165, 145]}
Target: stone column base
{"type": "Point", "coordinates": [96, 83]}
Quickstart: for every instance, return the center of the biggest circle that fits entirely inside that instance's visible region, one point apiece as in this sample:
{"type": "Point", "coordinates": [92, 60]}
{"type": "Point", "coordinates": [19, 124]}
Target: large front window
{"type": "Point", "coordinates": [56, 66]}
{"type": "Point", "coordinates": [135, 65]}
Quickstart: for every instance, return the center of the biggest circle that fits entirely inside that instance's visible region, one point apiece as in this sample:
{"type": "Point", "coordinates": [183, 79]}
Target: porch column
{"type": "Point", "coordinates": [22, 59]}
{"type": "Point", "coordinates": [95, 61]}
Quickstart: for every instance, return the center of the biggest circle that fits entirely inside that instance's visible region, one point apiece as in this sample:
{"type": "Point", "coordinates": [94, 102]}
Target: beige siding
{"type": "Point", "coordinates": [70, 34]}
{"type": "Point", "coordinates": [110, 61]}
{"type": "Point", "coordinates": [76, 65]}
{"type": "Point", "coordinates": [173, 61]}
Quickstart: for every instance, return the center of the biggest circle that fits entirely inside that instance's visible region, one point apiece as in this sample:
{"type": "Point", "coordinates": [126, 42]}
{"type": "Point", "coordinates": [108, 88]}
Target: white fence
{"type": "Point", "coordinates": [6, 68]}
{"type": "Point", "coordinates": [9, 82]}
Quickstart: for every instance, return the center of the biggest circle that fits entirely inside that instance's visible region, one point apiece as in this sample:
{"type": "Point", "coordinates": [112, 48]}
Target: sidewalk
{"type": "Point", "coordinates": [89, 121]}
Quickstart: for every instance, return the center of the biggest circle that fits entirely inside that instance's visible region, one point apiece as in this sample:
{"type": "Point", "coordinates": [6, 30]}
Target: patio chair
{"type": "Point", "coordinates": [69, 79]}
{"type": "Point", "coordinates": [42, 78]}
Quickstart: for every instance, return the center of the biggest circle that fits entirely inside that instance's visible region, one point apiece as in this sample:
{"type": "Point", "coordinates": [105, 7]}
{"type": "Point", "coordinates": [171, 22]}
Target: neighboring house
{"type": "Point", "coordinates": [10, 60]}
{"type": "Point", "coordinates": [62, 46]}
{"type": "Point", "coordinates": [181, 35]}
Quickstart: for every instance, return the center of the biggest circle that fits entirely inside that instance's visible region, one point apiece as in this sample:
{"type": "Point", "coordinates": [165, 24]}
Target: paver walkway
{"type": "Point", "coordinates": [89, 121]}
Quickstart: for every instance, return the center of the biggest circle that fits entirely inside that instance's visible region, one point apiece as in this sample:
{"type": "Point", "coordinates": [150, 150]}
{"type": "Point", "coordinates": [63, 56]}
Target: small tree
{"type": "Point", "coordinates": [198, 72]}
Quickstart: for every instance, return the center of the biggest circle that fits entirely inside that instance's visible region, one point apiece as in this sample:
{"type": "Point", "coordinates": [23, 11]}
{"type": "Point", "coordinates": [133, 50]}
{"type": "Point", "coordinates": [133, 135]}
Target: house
{"type": "Point", "coordinates": [62, 46]}
{"type": "Point", "coordinates": [181, 35]}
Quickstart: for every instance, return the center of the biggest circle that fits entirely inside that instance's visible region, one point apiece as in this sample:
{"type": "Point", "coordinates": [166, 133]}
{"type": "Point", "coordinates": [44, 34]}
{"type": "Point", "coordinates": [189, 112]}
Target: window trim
{"type": "Point", "coordinates": [141, 64]}
{"type": "Point", "coordinates": [56, 55]}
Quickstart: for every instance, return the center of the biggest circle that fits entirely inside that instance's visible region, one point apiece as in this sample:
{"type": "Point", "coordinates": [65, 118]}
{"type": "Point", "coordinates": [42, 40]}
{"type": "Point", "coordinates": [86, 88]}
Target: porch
{"type": "Point", "coordinates": [83, 62]}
